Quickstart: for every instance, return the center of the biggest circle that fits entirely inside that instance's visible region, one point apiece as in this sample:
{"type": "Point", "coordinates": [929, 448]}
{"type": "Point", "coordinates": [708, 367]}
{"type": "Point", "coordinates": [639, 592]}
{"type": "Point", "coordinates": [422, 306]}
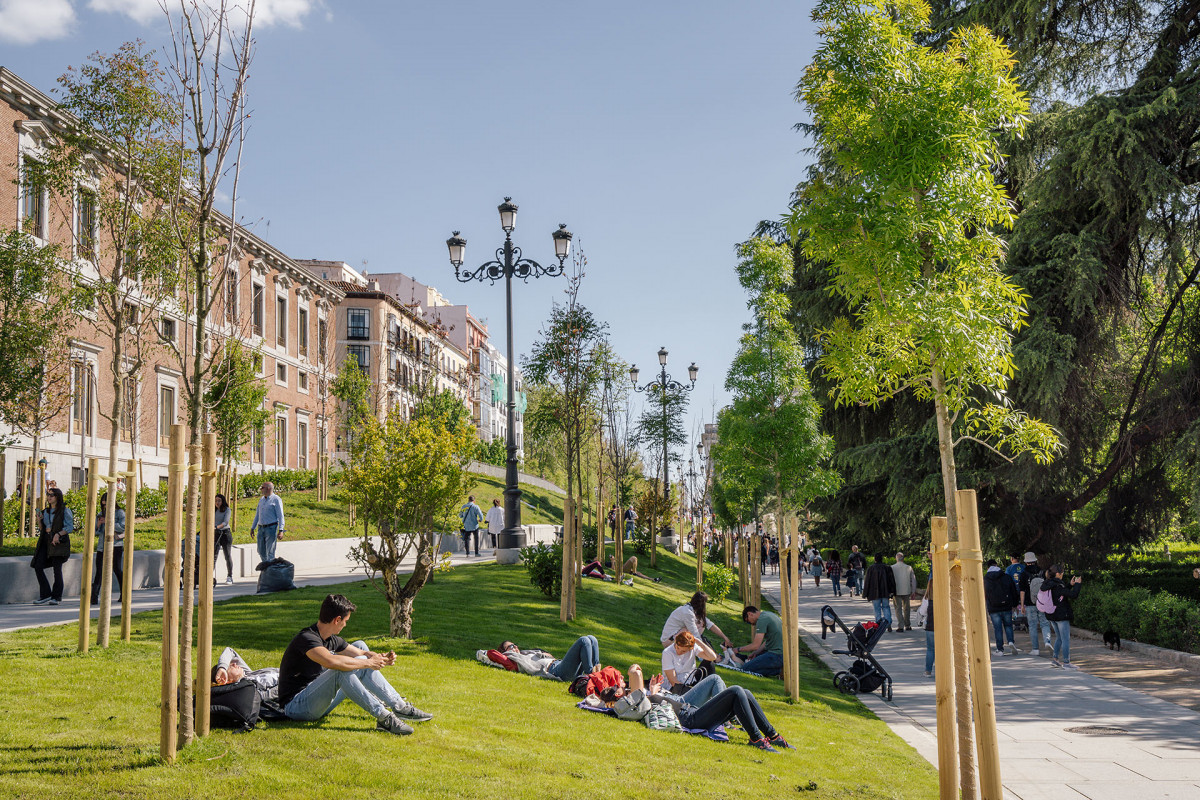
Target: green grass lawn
{"type": "Point", "coordinates": [87, 726]}
{"type": "Point", "coordinates": [309, 518]}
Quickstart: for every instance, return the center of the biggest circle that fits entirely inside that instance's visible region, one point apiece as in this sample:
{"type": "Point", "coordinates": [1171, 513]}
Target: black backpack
{"type": "Point", "coordinates": [235, 706]}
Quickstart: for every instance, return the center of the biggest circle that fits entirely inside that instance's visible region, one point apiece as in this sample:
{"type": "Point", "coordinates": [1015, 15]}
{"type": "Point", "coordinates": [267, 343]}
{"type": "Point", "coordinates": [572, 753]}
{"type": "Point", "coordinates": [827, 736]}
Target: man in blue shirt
{"type": "Point", "coordinates": [268, 519]}
{"type": "Point", "coordinates": [471, 515]}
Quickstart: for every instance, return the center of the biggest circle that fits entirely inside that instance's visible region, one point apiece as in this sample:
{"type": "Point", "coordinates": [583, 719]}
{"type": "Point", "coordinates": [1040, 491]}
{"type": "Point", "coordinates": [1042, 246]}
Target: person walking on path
{"type": "Point", "coordinates": [222, 538]}
{"type": "Point", "coordinates": [1031, 584]}
{"type": "Point", "coordinates": [55, 524]}
{"type": "Point", "coordinates": [929, 637]}
{"type": "Point", "coordinates": [268, 522]}
{"type": "Point", "coordinates": [630, 518]}
{"type": "Point", "coordinates": [879, 584]}
{"type": "Point", "coordinates": [834, 567]}
{"type": "Point", "coordinates": [816, 567]}
{"type": "Point", "coordinates": [495, 520]}
{"type": "Point", "coordinates": [471, 515]}
{"type": "Point", "coordinates": [118, 553]}
{"type": "Point", "coordinates": [1015, 570]}
{"type": "Point", "coordinates": [906, 584]}
{"type": "Point", "coordinates": [856, 565]}
{"type": "Point", "coordinates": [1001, 595]}
{"type": "Point", "coordinates": [1055, 599]}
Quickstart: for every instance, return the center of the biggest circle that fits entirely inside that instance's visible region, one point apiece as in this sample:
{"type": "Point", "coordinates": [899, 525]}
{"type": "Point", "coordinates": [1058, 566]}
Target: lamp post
{"type": "Point", "coordinates": [662, 386]}
{"type": "Point", "coordinates": [508, 264]}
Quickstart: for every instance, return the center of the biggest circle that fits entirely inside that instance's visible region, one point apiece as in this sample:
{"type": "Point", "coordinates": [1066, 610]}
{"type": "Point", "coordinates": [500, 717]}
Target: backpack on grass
{"type": "Point", "coordinates": [235, 706]}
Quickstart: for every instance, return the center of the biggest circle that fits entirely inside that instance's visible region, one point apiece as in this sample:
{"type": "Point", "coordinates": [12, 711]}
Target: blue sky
{"type": "Point", "coordinates": [659, 132]}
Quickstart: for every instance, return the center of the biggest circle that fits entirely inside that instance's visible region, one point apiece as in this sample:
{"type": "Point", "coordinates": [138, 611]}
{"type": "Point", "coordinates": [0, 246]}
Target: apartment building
{"type": "Point", "coordinates": [280, 311]}
{"type": "Point", "coordinates": [403, 353]}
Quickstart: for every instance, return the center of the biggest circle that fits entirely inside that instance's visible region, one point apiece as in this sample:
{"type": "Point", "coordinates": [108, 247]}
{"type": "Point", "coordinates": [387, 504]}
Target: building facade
{"type": "Point", "coordinates": [279, 311]}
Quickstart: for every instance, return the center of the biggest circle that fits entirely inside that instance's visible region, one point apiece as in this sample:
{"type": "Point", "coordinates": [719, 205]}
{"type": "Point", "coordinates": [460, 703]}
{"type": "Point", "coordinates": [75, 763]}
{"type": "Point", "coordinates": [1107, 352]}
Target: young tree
{"type": "Point", "coordinates": [567, 361]}
{"type": "Point", "coordinates": [235, 399]}
{"type": "Point", "coordinates": [35, 319]}
{"type": "Point", "coordinates": [771, 434]}
{"type": "Point", "coordinates": [905, 213]}
{"type": "Point", "coordinates": [212, 49]}
{"type": "Point", "coordinates": [661, 418]}
{"type": "Point", "coordinates": [406, 478]}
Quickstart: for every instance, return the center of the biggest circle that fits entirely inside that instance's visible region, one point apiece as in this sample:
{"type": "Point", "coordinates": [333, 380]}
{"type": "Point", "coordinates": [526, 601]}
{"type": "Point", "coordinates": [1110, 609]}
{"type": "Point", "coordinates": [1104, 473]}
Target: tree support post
{"type": "Point", "coordinates": [947, 733]}
{"type": "Point", "coordinates": [208, 498]}
{"type": "Point", "coordinates": [568, 555]}
{"type": "Point", "coordinates": [23, 483]}
{"type": "Point", "coordinates": [89, 541]}
{"type": "Point", "coordinates": [133, 486]}
{"type": "Point", "coordinates": [176, 470]}
{"type": "Point", "coordinates": [983, 700]}
{"type": "Point", "coordinates": [104, 622]}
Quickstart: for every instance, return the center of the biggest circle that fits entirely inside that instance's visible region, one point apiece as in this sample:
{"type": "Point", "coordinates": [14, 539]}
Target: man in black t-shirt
{"type": "Point", "coordinates": [319, 670]}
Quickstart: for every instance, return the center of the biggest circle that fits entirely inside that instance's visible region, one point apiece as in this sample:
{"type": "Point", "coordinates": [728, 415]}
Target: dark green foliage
{"type": "Point", "coordinates": [588, 532]}
{"type": "Point", "coordinates": [544, 564]}
{"type": "Point", "coordinates": [641, 540]}
{"type": "Point", "coordinates": [1106, 180]}
{"type": "Point", "coordinates": [494, 452]}
{"type": "Point", "coordinates": [285, 480]}
{"type": "Point", "coordinates": [718, 581]}
{"type": "Point", "coordinates": [716, 553]}
{"type": "Point", "coordinates": [1158, 618]}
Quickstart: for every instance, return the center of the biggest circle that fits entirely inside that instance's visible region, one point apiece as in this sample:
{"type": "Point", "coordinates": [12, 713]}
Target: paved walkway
{"type": "Point", "coordinates": [1039, 710]}
{"type": "Point", "coordinates": [16, 616]}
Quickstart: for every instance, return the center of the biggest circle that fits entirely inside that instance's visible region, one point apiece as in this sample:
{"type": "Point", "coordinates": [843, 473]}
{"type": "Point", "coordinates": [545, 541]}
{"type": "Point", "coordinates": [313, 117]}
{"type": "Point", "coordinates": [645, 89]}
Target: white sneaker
{"type": "Point", "coordinates": [1000, 652]}
{"type": "Point", "coordinates": [1014, 649]}
{"type": "Point", "coordinates": [1035, 652]}
{"type": "Point", "coordinates": [628, 581]}
{"type": "Point", "coordinates": [229, 581]}
{"type": "Point", "coordinates": [1069, 665]}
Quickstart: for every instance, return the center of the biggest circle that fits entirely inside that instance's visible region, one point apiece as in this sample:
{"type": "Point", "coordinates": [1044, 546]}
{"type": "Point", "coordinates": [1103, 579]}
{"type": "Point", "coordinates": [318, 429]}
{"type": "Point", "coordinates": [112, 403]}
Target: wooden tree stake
{"type": "Point", "coordinates": [89, 541]}
{"type": "Point", "coordinates": [947, 729]}
{"type": "Point", "coordinates": [208, 499]}
{"type": "Point", "coordinates": [131, 490]}
{"type": "Point", "coordinates": [177, 471]}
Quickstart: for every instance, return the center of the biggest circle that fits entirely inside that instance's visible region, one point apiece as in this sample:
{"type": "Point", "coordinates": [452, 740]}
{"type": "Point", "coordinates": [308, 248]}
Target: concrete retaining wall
{"type": "Point", "coordinates": [492, 471]}
{"type": "Point", "coordinates": [18, 582]}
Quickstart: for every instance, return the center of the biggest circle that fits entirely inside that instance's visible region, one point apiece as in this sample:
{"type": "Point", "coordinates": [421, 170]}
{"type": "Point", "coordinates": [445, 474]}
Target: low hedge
{"type": "Point", "coordinates": [1158, 618]}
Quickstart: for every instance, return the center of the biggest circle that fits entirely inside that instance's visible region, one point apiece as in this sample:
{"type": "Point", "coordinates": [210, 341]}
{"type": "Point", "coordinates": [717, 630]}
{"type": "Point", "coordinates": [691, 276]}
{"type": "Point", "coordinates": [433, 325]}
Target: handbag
{"type": "Point", "coordinates": [662, 717]}
{"type": "Point", "coordinates": [60, 550]}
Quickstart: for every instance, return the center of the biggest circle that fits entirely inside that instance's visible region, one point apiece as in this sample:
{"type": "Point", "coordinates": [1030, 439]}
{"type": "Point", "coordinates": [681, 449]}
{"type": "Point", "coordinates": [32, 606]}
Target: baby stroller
{"type": "Point", "coordinates": [865, 674]}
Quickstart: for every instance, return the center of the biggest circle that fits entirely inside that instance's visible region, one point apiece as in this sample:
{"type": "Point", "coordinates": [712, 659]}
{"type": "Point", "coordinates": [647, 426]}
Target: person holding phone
{"type": "Point", "coordinates": [320, 669]}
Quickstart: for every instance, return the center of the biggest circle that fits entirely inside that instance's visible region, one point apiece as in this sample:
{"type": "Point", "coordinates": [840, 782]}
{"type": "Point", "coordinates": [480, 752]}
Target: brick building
{"type": "Point", "coordinates": [281, 311]}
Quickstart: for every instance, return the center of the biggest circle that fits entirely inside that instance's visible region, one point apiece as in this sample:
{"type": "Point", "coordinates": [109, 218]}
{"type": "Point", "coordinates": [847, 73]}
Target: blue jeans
{"type": "Point", "coordinates": [1039, 627]}
{"type": "Point", "coordinates": [1062, 639]}
{"type": "Point", "coordinates": [704, 690]}
{"type": "Point", "coordinates": [929, 651]}
{"type": "Point", "coordinates": [883, 610]}
{"type": "Point", "coordinates": [1002, 627]}
{"type": "Point", "coordinates": [764, 664]}
{"type": "Point", "coordinates": [837, 585]}
{"type": "Point", "coordinates": [267, 537]}
{"type": "Point", "coordinates": [629, 529]}
{"type": "Point", "coordinates": [581, 659]}
{"type": "Point", "coordinates": [368, 689]}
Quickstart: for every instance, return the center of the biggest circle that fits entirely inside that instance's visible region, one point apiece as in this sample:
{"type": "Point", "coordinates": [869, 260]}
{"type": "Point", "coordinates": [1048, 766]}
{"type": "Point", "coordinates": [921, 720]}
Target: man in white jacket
{"type": "Point", "coordinates": [906, 584]}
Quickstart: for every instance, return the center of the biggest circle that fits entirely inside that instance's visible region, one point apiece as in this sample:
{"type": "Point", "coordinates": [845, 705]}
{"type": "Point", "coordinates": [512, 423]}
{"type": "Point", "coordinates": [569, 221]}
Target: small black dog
{"type": "Point", "coordinates": [1112, 640]}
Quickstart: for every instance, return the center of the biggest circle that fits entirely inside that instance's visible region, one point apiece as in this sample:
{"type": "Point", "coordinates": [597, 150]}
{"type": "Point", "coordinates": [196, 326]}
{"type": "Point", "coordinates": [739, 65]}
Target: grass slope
{"type": "Point", "coordinates": [86, 726]}
{"type": "Point", "coordinates": [309, 518]}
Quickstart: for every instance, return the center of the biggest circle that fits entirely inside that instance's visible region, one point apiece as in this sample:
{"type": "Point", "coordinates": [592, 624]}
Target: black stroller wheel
{"type": "Point", "coordinates": [847, 683]}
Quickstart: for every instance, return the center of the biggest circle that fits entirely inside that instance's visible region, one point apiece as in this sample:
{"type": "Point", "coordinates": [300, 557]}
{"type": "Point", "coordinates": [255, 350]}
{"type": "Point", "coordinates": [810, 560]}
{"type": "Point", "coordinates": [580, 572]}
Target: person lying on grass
{"type": "Point", "coordinates": [231, 668]}
{"type": "Point", "coordinates": [679, 659]}
{"type": "Point", "coordinates": [630, 568]}
{"type": "Point", "coordinates": [583, 658]}
{"type": "Point", "coordinates": [731, 703]}
{"type": "Point", "coordinates": [319, 670]}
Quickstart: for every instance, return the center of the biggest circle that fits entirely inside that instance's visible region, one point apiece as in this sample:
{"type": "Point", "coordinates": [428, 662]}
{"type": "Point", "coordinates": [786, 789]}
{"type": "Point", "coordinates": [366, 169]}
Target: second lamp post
{"type": "Point", "coordinates": [663, 386]}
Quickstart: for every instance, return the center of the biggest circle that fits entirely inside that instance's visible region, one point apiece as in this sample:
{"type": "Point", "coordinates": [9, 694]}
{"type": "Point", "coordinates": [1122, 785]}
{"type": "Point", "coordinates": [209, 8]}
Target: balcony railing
{"type": "Point", "coordinates": [358, 332]}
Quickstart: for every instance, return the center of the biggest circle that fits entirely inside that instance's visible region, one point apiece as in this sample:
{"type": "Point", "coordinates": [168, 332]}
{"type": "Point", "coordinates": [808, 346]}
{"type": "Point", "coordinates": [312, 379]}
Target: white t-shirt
{"type": "Point", "coordinates": [495, 519]}
{"type": "Point", "coordinates": [683, 619]}
{"type": "Point", "coordinates": [684, 665]}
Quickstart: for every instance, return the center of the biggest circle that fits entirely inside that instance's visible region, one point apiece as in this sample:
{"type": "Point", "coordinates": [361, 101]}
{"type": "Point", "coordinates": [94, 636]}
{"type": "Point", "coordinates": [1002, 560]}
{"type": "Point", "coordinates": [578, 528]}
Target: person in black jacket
{"type": "Point", "coordinates": [1001, 594]}
{"type": "Point", "coordinates": [879, 584]}
{"type": "Point", "coordinates": [855, 564]}
{"type": "Point", "coordinates": [1061, 617]}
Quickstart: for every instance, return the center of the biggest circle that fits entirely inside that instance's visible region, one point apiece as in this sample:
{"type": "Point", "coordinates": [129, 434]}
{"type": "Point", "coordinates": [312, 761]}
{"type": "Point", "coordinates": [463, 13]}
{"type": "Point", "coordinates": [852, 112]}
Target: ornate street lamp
{"type": "Point", "coordinates": [662, 386]}
{"type": "Point", "coordinates": [508, 264]}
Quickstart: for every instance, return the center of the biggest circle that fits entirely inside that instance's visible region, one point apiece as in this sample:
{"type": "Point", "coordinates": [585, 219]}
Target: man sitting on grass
{"type": "Point", "coordinates": [732, 703]}
{"type": "Point", "coordinates": [766, 648]}
{"type": "Point", "coordinates": [319, 670]}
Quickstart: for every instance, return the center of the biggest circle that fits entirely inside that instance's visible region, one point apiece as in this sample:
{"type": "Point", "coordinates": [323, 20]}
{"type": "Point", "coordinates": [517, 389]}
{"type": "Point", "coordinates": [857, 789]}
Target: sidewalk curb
{"type": "Point", "coordinates": [1188, 661]}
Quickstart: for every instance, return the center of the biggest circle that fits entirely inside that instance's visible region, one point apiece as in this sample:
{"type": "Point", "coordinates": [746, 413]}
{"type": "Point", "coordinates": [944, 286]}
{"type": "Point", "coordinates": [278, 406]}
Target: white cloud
{"type": "Point", "coordinates": [266, 12]}
{"type": "Point", "coordinates": [29, 21]}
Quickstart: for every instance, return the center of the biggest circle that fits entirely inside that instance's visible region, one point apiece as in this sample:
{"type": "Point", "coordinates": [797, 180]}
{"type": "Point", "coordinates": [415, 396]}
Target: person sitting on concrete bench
{"type": "Point", "coordinates": [582, 658]}
{"type": "Point", "coordinates": [319, 670]}
{"type": "Point", "coordinates": [734, 702]}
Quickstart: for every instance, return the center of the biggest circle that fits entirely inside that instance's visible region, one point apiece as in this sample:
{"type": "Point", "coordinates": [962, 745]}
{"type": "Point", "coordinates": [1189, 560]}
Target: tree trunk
{"type": "Point", "coordinates": [962, 683]}
{"type": "Point", "coordinates": [29, 493]}
{"type": "Point", "coordinates": [400, 613]}
{"type": "Point", "coordinates": [110, 509]}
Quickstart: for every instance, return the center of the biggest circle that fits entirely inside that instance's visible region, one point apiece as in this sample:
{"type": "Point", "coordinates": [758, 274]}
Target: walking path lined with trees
{"type": "Point", "coordinates": [1062, 734]}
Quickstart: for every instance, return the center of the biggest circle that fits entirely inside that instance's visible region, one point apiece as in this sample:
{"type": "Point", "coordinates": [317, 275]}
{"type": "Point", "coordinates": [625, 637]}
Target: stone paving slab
{"type": "Point", "coordinates": [1155, 755]}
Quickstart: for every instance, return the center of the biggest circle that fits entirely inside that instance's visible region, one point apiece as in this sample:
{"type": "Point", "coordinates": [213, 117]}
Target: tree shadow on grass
{"type": "Point", "coordinates": [58, 760]}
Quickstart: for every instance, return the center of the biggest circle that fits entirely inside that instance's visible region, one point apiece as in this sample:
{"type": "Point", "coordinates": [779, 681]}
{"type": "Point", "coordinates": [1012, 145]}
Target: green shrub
{"type": "Point", "coordinates": [285, 480]}
{"type": "Point", "coordinates": [716, 553]}
{"type": "Point", "coordinates": [641, 541]}
{"type": "Point", "coordinates": [589, 540]}
{"type": "Point", "coordinates": [1158, 618]}
{"type": "Point", "coordinates": [544, 564]}
{"type": "Point", "coordinates": [718, 581]}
